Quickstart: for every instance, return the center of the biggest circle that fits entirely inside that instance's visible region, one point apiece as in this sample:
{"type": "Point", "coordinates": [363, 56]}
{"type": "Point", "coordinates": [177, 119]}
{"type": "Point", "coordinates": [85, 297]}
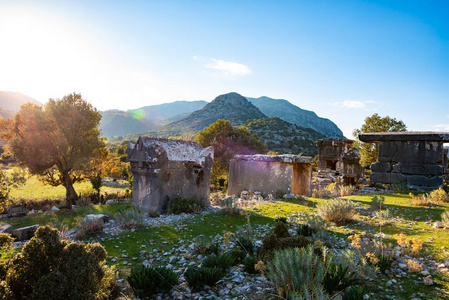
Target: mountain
{"type": "Point", "coordinates": [233, 107]}
{"type": "Point", "coordinates": [295, 115]}
{"type": "Point", "coordinates": [5, 114]}
{"type": "Point", "coordinates": [11, 101]}
{"type": "Point", "coordinates": [119, 122]}
{"type": "Point", "coordinates": [284, 137]}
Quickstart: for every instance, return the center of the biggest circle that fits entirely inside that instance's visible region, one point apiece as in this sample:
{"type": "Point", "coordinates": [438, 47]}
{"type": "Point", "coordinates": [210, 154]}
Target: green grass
{"type": "Point", "coordinates": [410, 220]}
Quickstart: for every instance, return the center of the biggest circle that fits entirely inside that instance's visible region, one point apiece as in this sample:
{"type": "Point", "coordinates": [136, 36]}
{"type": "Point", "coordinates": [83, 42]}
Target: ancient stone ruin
{"type": "Point", "coordinates": [166, 169]}
{"type": "Point", "coordinates": [290, 174]}
{"type": "Point", "coordinates": [417, 158]}
{"type": "Point", "coordinates": [338, 162]}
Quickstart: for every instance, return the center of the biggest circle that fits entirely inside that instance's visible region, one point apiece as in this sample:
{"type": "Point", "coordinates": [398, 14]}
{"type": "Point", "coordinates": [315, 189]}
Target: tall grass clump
{"type": "Point", "coordinates": [346, 190]}
{"type": "Point", "coordinates": [185, 205]}
{"type": "Point", "coordinates": [297, 273]}
{"type": "Point", "coordinates": [147, 281]}
{"type": "Point", "coordinates": [131, 217]}
{"type": "Point", "coordinates": [337, 210]}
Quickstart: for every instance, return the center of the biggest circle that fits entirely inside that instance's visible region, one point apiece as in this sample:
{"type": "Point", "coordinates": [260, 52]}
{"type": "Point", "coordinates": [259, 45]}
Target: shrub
{"type": "Point", "coordinates": [409, 246]}
{"type": "Point", "coordinates": [346, 190]}
{"type": "Point", "coordinates": [414, 266]}
{"type": "Point", "coordinates": [297, 272]}
{"type": "Point", "coordinates": [203, 246]}
{"type": "Point", "coordinates": [382, 214]}
{"type": "Point", "coordinates": [337, 210]}
{"type": "Point", "coordinates": [272, 243]}
{"type": "Point", "coordinates": [377, 202]}
{"type": "Point", "coordinates": [439, 196]}
{"type": "Point", "coordinates": [400, 187]}
{"type": "Point", "coordinates": [305, 230]}
{"type": "Point", "coordinates": [5, 240]}
{"type": "Point", "coordinates": [52, 269]}
{"type": "Point", "coordinates": [147, 281]}
{"type": "Point", "coordinates": [445, 219]}
{"type": "Point", "coordinates": [249, 263]}
{"type": "Point", "coordinates": [245, 238]}
{"type": "Point", "coordinates": [222, 261]}
{"type": "Point", "coordinates": [231, 211]}
{"type": "Point", "coordinates": [321, 193]}
{"type": "Point", "coordinates": [89, 226]}
{"type": "Point", "coordinates": [281, 229]}
{"type": "Point", "coordinates": [198, 277]}
{"type": "Point", "coordinates": [83, 202]}
{"type": "Point", "coordinates": [238, 255]}
{"type": "Point", "coordinates": [355, 293]}
{"type": "Point", "coordinates": [131, 217]}
{"type": "Point", "coordinates": [281, 219]}
{"type": "Point", "coordinates": [4, 192]}
{"type": "Point", "coordinates": [338, 278]}
{"type": "Point", "coordinates": [184, 205]}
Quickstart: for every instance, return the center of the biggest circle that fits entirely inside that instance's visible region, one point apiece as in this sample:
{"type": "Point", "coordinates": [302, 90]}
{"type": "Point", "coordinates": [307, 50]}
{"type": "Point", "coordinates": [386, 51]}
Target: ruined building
{"type": "Point", "coordinates": [166, 169]}
{"type": "Point", "coordinates": [417, 158]}
{"type": "Point", "coordinates": [338, 162]}
{"type": "Point", "coordinates": [288, 173]}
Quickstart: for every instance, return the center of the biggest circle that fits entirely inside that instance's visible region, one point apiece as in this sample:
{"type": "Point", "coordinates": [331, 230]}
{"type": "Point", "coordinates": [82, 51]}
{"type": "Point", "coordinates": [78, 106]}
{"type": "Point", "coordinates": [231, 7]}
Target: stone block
{"type": "Point", "coordinates": [420, 182]}
{"type": "Point", "coordinates": [420, 169]}
{"type": "Point", "coordinates": [25, 233]}
{"type": "Point", "coordinates": [381, 167]}
{"type": "Point", "coordinates": [6, 228]}
{"type": "Point", "coordinates": [390, 178]}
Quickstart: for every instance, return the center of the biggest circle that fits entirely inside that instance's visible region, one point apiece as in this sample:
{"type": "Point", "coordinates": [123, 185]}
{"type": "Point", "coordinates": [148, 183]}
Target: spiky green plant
{"type": "Point", "coordinates": [337, 210]}
{"type": "Point", "coordinates": [297, 273]}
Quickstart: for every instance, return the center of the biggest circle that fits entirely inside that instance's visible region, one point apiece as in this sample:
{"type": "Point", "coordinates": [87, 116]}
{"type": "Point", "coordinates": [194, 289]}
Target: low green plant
{"type": "Point", "coordinates": [323, 193]}
{"type": "Point", "coordinates": [272, 243]}
{"type": "Point", "coordinates": [400, 187]}
{"type": "Point", "coordinates": [184, 205]}
{"type": "Point", "coordinates": [50, 268]}
{"type": "Point", "coordinates": [245, 238]}
{"type": "Point", "coordinates": [131, 217]}
{"type": "Point", "coordinates": [204, 246]}
{"type": "Point", "coordinates": [445, 219]}
{"type": "Point", "coordinates": [83, 202]}
{"type": "Point", "coordinates": [337, 210]}
{"type": "Point", "coordinates": [281, 219]}
{"type": "Point", "coordinates": [281, 229]}
{"type": "Point", "coordinates": [147, 281]}
{"type": "Point", "coordinates": [197, 278]}
{"type": "Point", "coordinates": [223, 261]}
{"type": "Point", "coordinates": [249, 263]}
{"type": "Point", "coordinates": [377, 202]}
{"type": "Point", "coordinates": [4, 192]}
{"type": "Point", "coordinates": [305, 230]}
{"type": "Point", "coordinates": [382, 214]}
{"type": "Point", "coordinates": [338, 277]}
{"type": "Point", "coordinates": [355, 293]}
{"type": "Point", "coordinates": [297, 273]}
{"type": "Point", "coordinates": [385, 262]}
{"type": "Point", "coordinates": [238, 255]}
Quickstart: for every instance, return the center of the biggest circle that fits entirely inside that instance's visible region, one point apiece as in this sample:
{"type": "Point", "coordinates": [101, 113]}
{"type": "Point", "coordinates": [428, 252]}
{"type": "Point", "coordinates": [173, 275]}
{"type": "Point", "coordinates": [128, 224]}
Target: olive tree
{"type": "Point", "coordinates": [57, 140]}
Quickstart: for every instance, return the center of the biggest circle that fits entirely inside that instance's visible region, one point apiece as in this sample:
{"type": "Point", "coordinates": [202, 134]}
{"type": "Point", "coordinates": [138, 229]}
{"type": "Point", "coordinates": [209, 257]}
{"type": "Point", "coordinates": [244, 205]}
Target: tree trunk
{"type": "Point", "coordinates": [71, 195]}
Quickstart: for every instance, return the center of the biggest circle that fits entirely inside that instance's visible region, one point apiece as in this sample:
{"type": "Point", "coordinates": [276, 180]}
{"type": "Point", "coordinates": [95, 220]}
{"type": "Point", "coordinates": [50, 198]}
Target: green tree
{"type": "Point", "coordinates": [228, 141]}
{"type": "Point", "coordinates": [369, 151]}
{"type": "Point", "coordinates": [57, 141]}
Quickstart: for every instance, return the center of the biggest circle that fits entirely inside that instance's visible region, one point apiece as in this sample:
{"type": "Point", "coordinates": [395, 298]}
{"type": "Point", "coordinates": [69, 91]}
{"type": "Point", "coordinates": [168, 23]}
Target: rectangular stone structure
{"type": "Point", "coordinates": [417, 158]}
{"type": "Point", "coordinates": [166, 169]}
{"type": "Point", "coordinates": [292, 174]}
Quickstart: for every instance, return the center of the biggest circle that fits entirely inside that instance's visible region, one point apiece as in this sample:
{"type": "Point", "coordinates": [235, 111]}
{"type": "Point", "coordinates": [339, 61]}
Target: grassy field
{"type": "Point", "coordinates": [414, 222]}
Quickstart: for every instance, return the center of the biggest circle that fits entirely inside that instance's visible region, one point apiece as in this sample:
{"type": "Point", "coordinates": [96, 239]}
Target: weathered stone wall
{"type": "Point", "coordinates": [161, 176]}
{"type": "Point", "coordinates": [267, 174]}
{"type": "Point", "coordinates": [413, 157]}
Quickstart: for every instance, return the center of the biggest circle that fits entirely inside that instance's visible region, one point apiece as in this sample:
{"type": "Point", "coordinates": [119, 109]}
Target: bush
{"type": "Point", "coordinates": [48, 268]}
{"type": "Point", "coordinates": [305, 230]}
{"type": "Point", "coordinates": [272, 243]}
{"type": "Point", "coordinates": [222, 261]}
{"type": "Point", "coordinates": [400, 187]}
{"type": "Point", "coordinates": [338, 278]}
{"type": "Point", "coordinates": [89, 226]}
{"type": "Point", "coordinates": [439, 196]}
{"type": "Point", "coordinates": [238, 255]}
{"type": "Point", "coordinates": [346, 190]}
{"type": "Point", "coordinates": [198, 277]}
{"type": "Point", "coordinates": [337, 210]}
{"type": "Point", "coordinates": [249, 263]}
{"type": "Point", "coordinates": [5, 240]}
{"type": "Point", "coordinates": [132, 217]}
{"type": "Point", "coordinates": [245, 238]}
{"type": "Point", "coordinates": [377, 202]}
{"type": "Point", "coordinates": [4, 192]}
{"type": "Point", "coordinates": [205, 247]}
{"type": "Point", "coordinates": [281, 229]}
{"type": "Point", "coordinates": [83, 202]}
{"type": "Point", "coordinates": [445, 219]}
{"type": "Point", "coordinates": [355, 293]}
{"type": "Point", "coordinates": [184, 205]}
{"type": "Point", "coordinates": [147, 281]}
{"type": "Point", "coordinates": [321, 193]}
{"type": "Point", "coordinates": [297, 273]}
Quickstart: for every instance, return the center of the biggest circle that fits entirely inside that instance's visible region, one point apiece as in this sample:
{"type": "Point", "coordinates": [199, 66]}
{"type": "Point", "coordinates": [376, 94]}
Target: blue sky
{"type": "Point", "coordinates": [345, 60]}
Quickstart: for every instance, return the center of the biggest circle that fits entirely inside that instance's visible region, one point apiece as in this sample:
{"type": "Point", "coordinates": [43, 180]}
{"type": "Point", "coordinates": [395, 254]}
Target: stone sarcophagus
{"type": "Point", "coordinates": [165, 169]}
{"type": "Point", "coordinates": [417, 158]}
{"type": "Point", "coordinates": [292, 174]}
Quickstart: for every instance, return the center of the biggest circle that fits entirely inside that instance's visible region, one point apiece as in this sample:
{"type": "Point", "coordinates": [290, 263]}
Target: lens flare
{"type": "Point", "coordinates": [138, 114]}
